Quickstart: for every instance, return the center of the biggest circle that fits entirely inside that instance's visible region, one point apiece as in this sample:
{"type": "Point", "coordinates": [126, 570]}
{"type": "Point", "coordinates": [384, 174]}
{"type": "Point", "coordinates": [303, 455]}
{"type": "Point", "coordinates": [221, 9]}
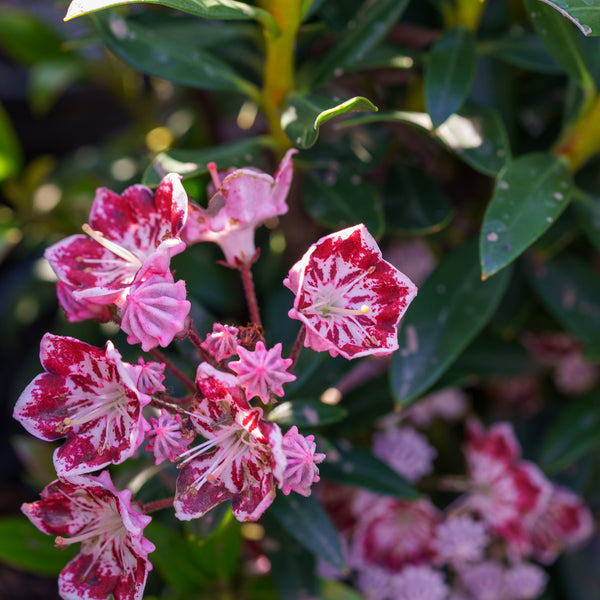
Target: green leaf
{"type": "Point", "coordinates": [451, 308]}
{"type": "Point", "coordinates": [293, 568]}
{"type": "Point", "coordinates": [24, 547]}
{"type": "Point", "coordinates": [306, 413]}
{"type": "Point", "coordinates": [190, 163]}
{"type": "Point", "coordinates": [523, 50]}
{"type": "Point", "coordinates": [303, 115]}
{"type": "Point", "coordinates": [371, 24]}
{"type": "Point", "coordinates": [49, 79]}
{"type": "Point", "coordinates": [160, 53]}
{"type": "Point", "coordinates": [574, 433]}
{"type": "Point", "coordinates": [351, 465]}
{"type": "Point", "coordinates": [560, 38]}
{"type": "Point", "coordinates": [585, 14]}
{"type": "Point", "coordinates": [208, 9]}
{"type": "Point", "coordinates": [342, 199]}
{"type": "Point", "coordinates": [449, 73]}
{"type": "Point", "coordinates": [570, 291]}
{"type": "Point", "coordinates": [530, 195]}
{"type": "Point", "coordinates": [587, 212]}
{"type": "Point", "coordinates": [476, 134]}
{"type": "Point", "coordinates": [415, 204]}
{"type": "Point", "coordinates": [306, 520]}
{"type": "Point", "coordinates": [10, 150]}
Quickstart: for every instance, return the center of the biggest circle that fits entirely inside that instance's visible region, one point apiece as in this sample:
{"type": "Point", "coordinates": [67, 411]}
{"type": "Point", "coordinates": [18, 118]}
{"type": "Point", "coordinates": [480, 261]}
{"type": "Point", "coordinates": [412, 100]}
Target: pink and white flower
{"type": "Point", "coordinates": [525, 581]}
{"type": "Point", "coordinates": [241, 200]}
{"type": "Point", "coordinates": [150, 376]}
{"type": "Point", "coordinates": [347, 296]}
{"type": "Point", "coordinates": [301, 469]}
{"type": "Point", "coordinates": [223, 342]}
{"type": "Point", "coordinates": [484, 581]}
{"type": "Point", "coordinates": [262, 372]}
{"type": "Point", "coordinates": [420, 582]}
{"type": "Point", "coordinates": [507, 490]}
{"type": "Point", "coordinates": [165, 438]}
{"type": "Point", "coordinates": [155, 311]}
{"type": "Point", "coordinates": [461, 539]}
{"type": "Point", "coordinates": [80, 310]}
{"type": "Point", "coordinates": [130, 237]}
{"type": "Point", "coordinates": [242, 458]}
{"type": "Point", "coordinates": [87, 395]}
{"type": "Point", "coordinates": [113, 558]}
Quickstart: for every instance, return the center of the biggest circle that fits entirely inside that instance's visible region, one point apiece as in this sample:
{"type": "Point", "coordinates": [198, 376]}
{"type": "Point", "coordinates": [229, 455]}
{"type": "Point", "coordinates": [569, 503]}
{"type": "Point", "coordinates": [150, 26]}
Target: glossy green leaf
{"type": "Point", "coordinates": [415, 204]}
{"type": "Point", "coordinates": [451, 308]}
{"type": "Point", "coordinates": [306, 413]}
{"type": "Point", "coordinates": [10, 150]}
{"type": "Point", "coordinates": [449, 73]}
{"type": "Point", "coordinates": [190, 163]}
{"type": "Point", "coordinates": [585, 14]}
{"type": "Point", "coordinates": [370, 25]}
{"type": "Point", "coordinates": [524, 50]}
{"type": "Point", "coordinates": [560, 37]}
{"type": "Point", "coordinates": [302, 116]}
{"type": "Point", "coordinates": [161, 54]}
{"type": "Point", "coordinates": [306, 520]}
{"type": "Point", "coordinates": [476, 134]}
{"type": "Point", "coordinates": [26, 548]}
{"type": "Point", "coordinates": [342, 199]}
{"type": "Point", "coordinates": [587, 211]}
{"type": "Point", "coordinates": [570, 291]}
{"type": "Point", "coordinates": [530, 195]}
{"type": "Point", "coordinates": [351, 465]}
{"type": "Point", "coordinates": [208, 9]}
{"type": "Point", "coordinates": [293, 568]}
{"type": "Point", "coordinates": [574, 433]}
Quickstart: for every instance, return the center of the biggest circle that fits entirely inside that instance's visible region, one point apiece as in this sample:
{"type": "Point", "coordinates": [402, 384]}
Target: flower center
{"type": "Point", "coordinates": [115, 248]}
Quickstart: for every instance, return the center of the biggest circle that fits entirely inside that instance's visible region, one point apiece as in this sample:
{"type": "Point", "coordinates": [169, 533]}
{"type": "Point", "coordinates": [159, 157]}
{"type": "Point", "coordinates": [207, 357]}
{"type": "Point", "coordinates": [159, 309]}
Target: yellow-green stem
{"type": "Point", "coordinates": [466, 12]}
{"type": "Point", "coordinates": [582, 140]}
{"type": "Point", "coordinates": [278, 79]}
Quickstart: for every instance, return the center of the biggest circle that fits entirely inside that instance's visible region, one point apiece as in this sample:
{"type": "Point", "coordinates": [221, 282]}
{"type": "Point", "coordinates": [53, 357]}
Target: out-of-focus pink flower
{"type": "Point", "coordinates": [262, 372]}
{"type": "Point", "coordinates": [461, 539]}
{"type": "Point", "coordinates": [155, 311]}
{"type": "Point", "coordinates": [449, 404]}
{"type": "Point", "coordinates": [413, 257]}
{"type": "Point", "coordinates": [405, 450]}
{"type": "Point", "coordinates": [240, 202]}
{"type": "Point", "coordinates": [130, 237]}
{"type": "Point", "coordinates": [525, 581]}
{"type": "Point", "coordinates": [80, 310]}
{"type": "Point", "coordinates": [87, 395]}
{"type": "Point", "coordinates": [241, 459]}
{"type": "Point", "coordinates": [484, 581]}
{"type": "Point", "coordinates": [507, 490]}
{"type": "Point", "coordinates": [223, 342]}
{"type": "Point", "coordinates": [150, 376]}
{"type": "Point", "coordinates": [349, 298]}
{"type": "Point", "coordinates": [165, 439]}
{"type": "Point", "coordinates": [393, 533]}
{"type": "Point", "coordinates": [574, 375]}
{"type": "Point", "coordinates": [420, 582]}
{"type": "Point", "coordinates": [113, 558]}
{"type": "Point", "coordinates": [565, 524]}
{"type": "Point", "coordinates": [550, 347]}
{"type": "Point", "coordinates": [376, 583]}
{"type": "Point", "coordinates": [301, 469]}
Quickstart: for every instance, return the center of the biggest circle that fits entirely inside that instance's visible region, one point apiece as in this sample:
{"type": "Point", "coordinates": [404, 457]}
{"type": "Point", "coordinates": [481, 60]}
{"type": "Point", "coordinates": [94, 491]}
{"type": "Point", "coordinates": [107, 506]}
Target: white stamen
{"type": "Point", "coordinates": [115, 248]}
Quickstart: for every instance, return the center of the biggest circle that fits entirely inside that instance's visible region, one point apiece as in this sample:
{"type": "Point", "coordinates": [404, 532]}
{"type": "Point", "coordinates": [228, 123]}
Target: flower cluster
{"type": "Point", "coordinates": [223, 444]}
{"type": "Point", "coordinates": [481, 546]}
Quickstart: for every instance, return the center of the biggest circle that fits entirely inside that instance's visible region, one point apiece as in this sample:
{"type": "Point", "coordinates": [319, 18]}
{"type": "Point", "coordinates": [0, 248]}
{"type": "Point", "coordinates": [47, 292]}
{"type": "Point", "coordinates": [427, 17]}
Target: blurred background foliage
{"type": "Point", "coordinates": [488, 127]}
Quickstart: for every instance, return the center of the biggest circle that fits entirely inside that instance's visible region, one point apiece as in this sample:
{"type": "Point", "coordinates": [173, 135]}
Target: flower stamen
{"type": "Point", "coordinates": [115, 248]}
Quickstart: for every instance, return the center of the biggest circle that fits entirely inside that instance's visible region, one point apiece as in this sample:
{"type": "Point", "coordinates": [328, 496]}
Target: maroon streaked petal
{"type": "Point", "coordinates": [250, 504]}
{"type": "Point", "coordinates": [171, 202]}
{"type": "Point", "coordinates": [498, 442]}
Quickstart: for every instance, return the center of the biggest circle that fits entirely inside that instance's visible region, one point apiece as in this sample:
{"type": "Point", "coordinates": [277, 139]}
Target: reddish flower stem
{"type": "Point", "coordinates": [250, 292]}
{"type": "Point", "coordinates": [197, 341]}
{"type": "Point", "coordinates": [160, 403]}
{"type": "Point", "coordinates": [297, 348]}
{"type": "Point", "coordinates": [156, 505]}
{"type": "Point", "coordinates": [189, 384]}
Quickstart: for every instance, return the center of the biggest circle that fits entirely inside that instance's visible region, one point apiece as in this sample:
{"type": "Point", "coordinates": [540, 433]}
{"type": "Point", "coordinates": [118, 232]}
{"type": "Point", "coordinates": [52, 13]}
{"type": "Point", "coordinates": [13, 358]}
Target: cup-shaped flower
{"type": "Point", "coordinates": [126, 233]}
{"type": "Point", "coordinates": [87, 395]}
{"type": "Point", "coordinates": [113, 558]}
{"type": "Point", "coordinates": [301, 469]}
{"type": "Point", "coordinates": [241, 459]}
{"type": "Point", "coordinates": [262, 372]}
{"type": "Point", "coordinates": [241, 200]}
{"type": "Point", "coordinates": [150, 376]}
{"type": "Point", "coordinates": [155, 311]}
{"type": "Point", "coordinates": [165, 438]}
{"type": "Point", "coordinates": [349, 298]}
